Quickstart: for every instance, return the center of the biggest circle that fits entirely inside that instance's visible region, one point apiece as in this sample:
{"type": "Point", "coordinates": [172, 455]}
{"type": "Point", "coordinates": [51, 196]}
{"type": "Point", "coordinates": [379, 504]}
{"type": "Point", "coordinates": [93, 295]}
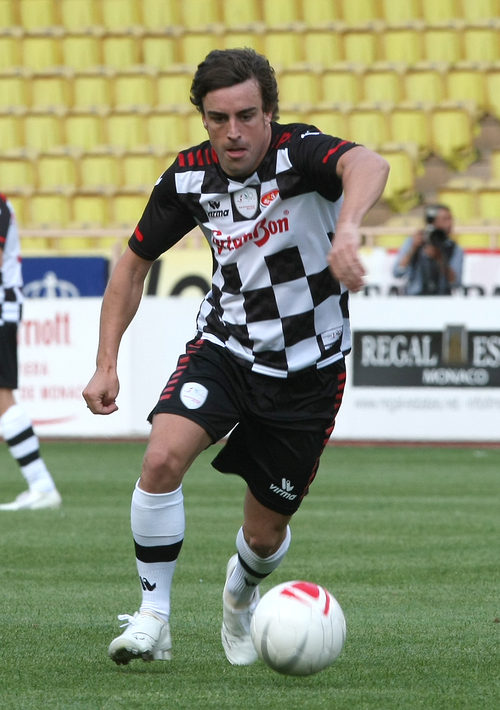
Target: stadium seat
{"type": "Point", "coordinates": [126, 209]}
{"type": "Point", "coordinates": [331, 121]}
{"type": "Point", "coordinates": [199, 14]}
{"type": "Point", "coordinates": [125, 130]}
{"type": "Point", "coordinates": [130, 90]}
{"type": "Point", "coordinates": [83, 130]}
{"type": "Point", "coordinates": [56, 172]}
{"type": "Point", "coordinates": [159, 52]}
{"type": "Point", "coordinates": [292, 117]}
{"type": "Point", "coordinates": [437, 11]}
{"type": "Point", "coordinates": [482, 42]}
{"type": "Point", "coordinates": [452, 135]}
{"type": "Point", "coordinates": [99, 171]}
{"type": "Point", "coordinates": [425, 82]}
{"type": "Point", "coordinates": [361, 45]}
{"type": "Point", "coordinates": [37, 14]}
{"type": "Point", "coordinates": [299, 87]}
{"type": "Point", "coordinates": [43, 131]}
{"type": "Point", "coordinates": [50, 90]}
{"type": "Point", "coordinates": [9, 14]}
{"type": "Point", "coordinates": [81, 52]}
{"type": "Point", "coordinates": [240, 14]}
{"type": "Point", "coordinates": [461, 197]}
{"type": "Point", "coordinates": [10, 53]}
{"type": "Point", "coordinates": [18, 175]}
{"type": "Point", "coordinates": [442, 43]}
{"type": "Point", "coordinates": [48, 210]}
{"type": "Point", "coordinates": [402, 44]}
{"type": "Point", "coordinates": [173, 89]}
{"type": "Point", "coordinates": [40, 52]}
{"type": "Point", "coordinates": [480, 10]}
{"type": "Point", "coordinates": [368, 125]}
{"type": "Point", "coordinates": [11, 132]}
{"type": "Point", "coordinates": [140, 171]}
{"type": "Point", "coordinates": [359, 12]}
{"type": "Point", "coordinates": [398, 229]}
{"type": "Point", "coordinates": [400, 191]}
{"type": "Point", "coordinates": [120, 15]}
{"type": "Point", "coordinates": [492, 81]}
{"type": "Point", "coordinates": [158, 16]}
{"type": "Point", "coordinates": [280, 13]}
{"type": "Point", "coordinates": [466, 82]}
{"type": "Point", "coordinates": [283, 48]}
{"type": "Point", "coordinates": [91, 90]}
{"type": "Point", "coordinates": [243, 38]}
{"type": "Point", "coordinates": [79, 15]}
{"type": "Point", "coordinates": [90, 210]}
{"type": "Point", "coordinates": [488, 197]}
{"type": "Point", "coordinates": [194, 46]}
{"type": "Point", "coordinates": [165, 131]}
{"type": "Point", "coordinates": [120, 51]}
{"type": "Point", "coordinates": [395, 12]}
{"type": "Point", "coordinates": [14, 90]}
{"type": "Point", "coordinates": [409, 123]}
{"type": "Point", "coordinates": [196, 133]}
{"type": "Point", "coordinates": [382, 82]}
{"type": "Point", "coordinates": [341, 83]}
{"type": "Point", "coordinates": [320, 13]}
{"type": "Point", "coordinates": [323, 48]}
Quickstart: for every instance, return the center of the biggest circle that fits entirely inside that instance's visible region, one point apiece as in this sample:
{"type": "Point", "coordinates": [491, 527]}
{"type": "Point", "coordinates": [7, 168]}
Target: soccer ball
{"type": "Point", "coordinates": [298, 628]}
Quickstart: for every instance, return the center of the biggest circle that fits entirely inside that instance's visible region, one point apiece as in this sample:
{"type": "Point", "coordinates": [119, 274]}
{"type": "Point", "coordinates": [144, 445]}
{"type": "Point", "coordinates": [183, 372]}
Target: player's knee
{"type": "Point", "coordinates": [162, 469]}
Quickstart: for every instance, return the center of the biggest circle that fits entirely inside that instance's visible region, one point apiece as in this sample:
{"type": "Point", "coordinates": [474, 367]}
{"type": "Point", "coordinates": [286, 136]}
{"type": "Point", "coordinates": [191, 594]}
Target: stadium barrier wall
{"type": "Point", "coordinates": [422, 369]}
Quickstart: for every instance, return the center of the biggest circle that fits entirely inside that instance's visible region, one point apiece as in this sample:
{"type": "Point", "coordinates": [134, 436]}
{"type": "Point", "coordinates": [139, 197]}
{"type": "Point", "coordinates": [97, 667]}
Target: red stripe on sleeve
{"type": "Point", "coordinates": [333, 150]}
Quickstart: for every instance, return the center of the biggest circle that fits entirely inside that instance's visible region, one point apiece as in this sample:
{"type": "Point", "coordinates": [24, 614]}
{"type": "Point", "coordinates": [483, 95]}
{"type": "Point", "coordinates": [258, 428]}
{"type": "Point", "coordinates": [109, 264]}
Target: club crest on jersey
{"type": "Point", "coordinates": [246, 201]}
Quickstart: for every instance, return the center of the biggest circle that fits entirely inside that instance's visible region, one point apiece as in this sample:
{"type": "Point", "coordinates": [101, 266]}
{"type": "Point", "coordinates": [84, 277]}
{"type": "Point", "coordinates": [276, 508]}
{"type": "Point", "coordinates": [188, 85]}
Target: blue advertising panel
{"type": "Point", "coordinates": [65, 277]}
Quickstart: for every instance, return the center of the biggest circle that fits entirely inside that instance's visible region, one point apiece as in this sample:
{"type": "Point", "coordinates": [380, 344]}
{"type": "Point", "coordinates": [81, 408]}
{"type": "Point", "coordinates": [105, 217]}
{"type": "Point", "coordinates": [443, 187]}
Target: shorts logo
{"type": "Point", "coordinates": [285, 490]}
{"type": "Point", "coordinates": [193, 395]}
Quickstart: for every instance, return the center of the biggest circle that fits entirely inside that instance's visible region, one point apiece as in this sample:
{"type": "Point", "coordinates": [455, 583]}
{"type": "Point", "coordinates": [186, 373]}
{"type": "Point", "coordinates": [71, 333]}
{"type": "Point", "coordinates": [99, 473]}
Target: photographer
{"type": "Point", "coordinates": [430, 260]}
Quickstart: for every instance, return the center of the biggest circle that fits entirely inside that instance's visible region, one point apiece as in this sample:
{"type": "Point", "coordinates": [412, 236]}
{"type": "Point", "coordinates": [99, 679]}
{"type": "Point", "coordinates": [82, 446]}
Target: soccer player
{"type": "Point", "coordinates": [281, 207]}
{"type": "Point", "coordinates": [15, 425]}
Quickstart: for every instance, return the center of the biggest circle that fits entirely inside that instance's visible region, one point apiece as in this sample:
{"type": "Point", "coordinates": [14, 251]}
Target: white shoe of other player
{"type": "Point", "coordinates": [34, 500]}
{"type": "Point", "coordinates": [235, 632]}
{"type": "Point", "coordinates": [146, 636]}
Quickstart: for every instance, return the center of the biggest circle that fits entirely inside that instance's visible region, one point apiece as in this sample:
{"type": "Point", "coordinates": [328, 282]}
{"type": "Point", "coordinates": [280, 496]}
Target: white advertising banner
{"type": "Point", "coordinates": [422, 369]}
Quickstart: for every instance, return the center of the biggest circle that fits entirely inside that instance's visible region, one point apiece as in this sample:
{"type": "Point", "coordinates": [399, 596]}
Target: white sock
{"type": "Point", "coordinates": [17, 430]}
{"type": "Point", "coordinates": [251, 569]}
{"type": "Point", "coordinates": [158, 525]}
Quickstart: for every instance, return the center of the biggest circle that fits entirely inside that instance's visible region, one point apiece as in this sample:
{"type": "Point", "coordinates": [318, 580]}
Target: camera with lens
{"type": "Point", "coordinates": [436, 237]}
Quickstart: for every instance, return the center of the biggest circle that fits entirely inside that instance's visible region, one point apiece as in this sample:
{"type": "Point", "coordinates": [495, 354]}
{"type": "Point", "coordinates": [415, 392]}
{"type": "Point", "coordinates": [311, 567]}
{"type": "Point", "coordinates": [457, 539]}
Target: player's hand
{"type": "Point", "coordinates": [101, 393]}
{"type": "Point", "coordinates": [343, 258]}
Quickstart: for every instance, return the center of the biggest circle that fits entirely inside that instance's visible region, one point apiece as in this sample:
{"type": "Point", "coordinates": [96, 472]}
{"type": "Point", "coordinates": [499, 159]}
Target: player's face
{"type": "Point", "coordinates": [238, 127]}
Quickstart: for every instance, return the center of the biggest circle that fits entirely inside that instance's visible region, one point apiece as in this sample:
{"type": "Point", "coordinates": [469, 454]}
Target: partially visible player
{"type": "Point", "coordinates": [15, 425]}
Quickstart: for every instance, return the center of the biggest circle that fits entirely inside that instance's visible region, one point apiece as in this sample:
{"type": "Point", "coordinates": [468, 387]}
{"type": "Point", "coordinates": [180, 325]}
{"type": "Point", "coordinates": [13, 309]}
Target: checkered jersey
{"type": "Point", "coordinates": [273, 303]}
{"type": "Point", "coordinates": [11, 294]}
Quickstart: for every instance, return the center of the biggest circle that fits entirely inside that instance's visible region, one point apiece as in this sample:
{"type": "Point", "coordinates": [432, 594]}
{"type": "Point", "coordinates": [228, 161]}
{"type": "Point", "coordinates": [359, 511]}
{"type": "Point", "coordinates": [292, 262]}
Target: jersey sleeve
{"type": "Point", "coordinates": [164, 222]}
{"type": "Point", "coordinates": [315, 155]}
{"type": "Point", "coordinates": [5, 218]}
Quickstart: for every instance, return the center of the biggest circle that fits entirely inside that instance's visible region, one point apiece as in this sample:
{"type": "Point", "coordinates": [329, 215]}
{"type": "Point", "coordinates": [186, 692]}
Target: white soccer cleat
{"type": "Point", "coordinates": [235, 631]}
{"type": "Point", "coordinates": [146, 636]}
{"type": "Point", "coordinates": [34, 500]}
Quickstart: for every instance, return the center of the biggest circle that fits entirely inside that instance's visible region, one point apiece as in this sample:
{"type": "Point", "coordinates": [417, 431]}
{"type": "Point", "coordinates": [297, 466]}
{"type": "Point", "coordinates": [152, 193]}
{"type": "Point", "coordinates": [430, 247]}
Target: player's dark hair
{"type": "Point", "coordinates": [226, 67]}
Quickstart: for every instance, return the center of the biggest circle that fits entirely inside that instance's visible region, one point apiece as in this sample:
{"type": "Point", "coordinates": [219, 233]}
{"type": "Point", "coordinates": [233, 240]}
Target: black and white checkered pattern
{"type": "Point", "coordinates": [11, 295]}
{"type": "Point", "coordinates": [274, 303]}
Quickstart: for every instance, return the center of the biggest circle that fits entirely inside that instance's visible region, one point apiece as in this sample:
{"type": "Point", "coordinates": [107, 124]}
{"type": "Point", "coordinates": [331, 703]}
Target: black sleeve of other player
{"type": "Point", "coordinates": [164, 220]}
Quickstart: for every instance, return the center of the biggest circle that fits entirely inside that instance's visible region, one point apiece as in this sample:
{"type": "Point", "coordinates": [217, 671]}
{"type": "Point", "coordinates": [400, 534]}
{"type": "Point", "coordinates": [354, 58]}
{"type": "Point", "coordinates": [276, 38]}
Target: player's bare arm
{"type": "Point", "coordinates": [120, 303]}
{"type": "Point", "coordinates": [364, 175]}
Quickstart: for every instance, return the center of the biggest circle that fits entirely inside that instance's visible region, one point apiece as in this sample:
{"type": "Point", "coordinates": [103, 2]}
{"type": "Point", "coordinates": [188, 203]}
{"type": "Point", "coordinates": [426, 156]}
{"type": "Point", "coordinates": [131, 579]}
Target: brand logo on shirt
{"type": "Point", "coordinates": [216, 210]}
{"type": "Point", "coordinates": [246, 201]}
{"type": "Point", "coordinates": [261, 233]}
{"type": "Point", "coordinates": [269, 197]}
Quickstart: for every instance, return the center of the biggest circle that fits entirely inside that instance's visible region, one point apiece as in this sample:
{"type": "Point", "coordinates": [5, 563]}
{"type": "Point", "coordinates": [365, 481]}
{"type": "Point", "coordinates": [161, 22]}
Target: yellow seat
{"type": "Point", "coordinates": [243, 38]}
{"type": "Point", "coordinates": [382, 82]}
{"type": "Point", "coordinates": [297, 116]}
{"type": "Point", "coordinates": [126, 210]}
{"type": "Point", "coordinates": [166, 131]}
{"type": "Point", "coordinates": [402, 44]}
{"type": "Point", "coordinates": [196, 133]}
{"type": "Point", "coordinates": [436, 11]}
{"type": "Point", "coordinates": [368, 126]}
{"type": "Point", "coordinates": [56, 172]}
{"type": "Point", "coordinates": [488, 198]}
{"type": "Point", "coordinates": [90, 210]}
{"type": "Point", "coordinates": [43, 131]}
{"type": "Point", "coordinates": [410, 124]}
{"type": "Point", "coordinates": [83, 130]}
{"type": "Point", "coordinates": [280, 13]}
{"type": "Point", "coordinates": [425, 82]}
{"type": "Point", "coordinates": [131, 90]}
{"type": "Point", "coordinates": [480, 10]}
{"type": "Point", "coordinates": [341, 84]}
{"type": "Point", "coordinates": [11, 132]}
{"type": "Point", "coordinates": [237, 14]}
{"type": "Point", "coordinates": [49, 210]}
{"type": "Point", "coordinates": [442, 43]}
{"type": "Point", "coordinates": [359, 12]}
{"type": "Point", "coordinates": [461, 198]}
{"type": "Point", "coordinates": [320, 12]}
{"type": "Point", "coordinates": [452, 135]}
{"type": "Point", "coordinates": [159, 52]}
{"type": "Point", "coordinates": [395, 12]}
{"type": "Point", "coordinates": [361, 45]}
{"type": "Point", "coordinates": [79, 15]}
{"type": "Point", "coordinates": [323, 47]}
{"type": "Point", "coordinates": [17, 175]}
{"type": "Point", "coordinates": [160, 15]}
{"type": "Point", "coordinates": [173, 89]}
{"type": "Point", "coordinates": [9, 13]}
{"type": "Point", "coordinates": [37, 14]}
{"type": "Point", "coordinates": [10, 53]}
{"type": "Point", "coordinates": [13, 90]}
{"type": "Point", "coordinates": [50, 91]}
{"type": "Point", "coordinates": [333, 122]}
{"type": "Point", "coordinates": [299, 87]}
{"type": "Point", "coordinates": [40, 52]}
{"type": "Point", "coordinates": [492, 81]}
{"type": "Point", "coordinates": [481, 43]}
{"type": "Point", "coordinates": [125, 130]}
{"type": "Point", "coordinates": [120, 15]}
{"type": "Point", "coordinates": [91, 90]}
{"type": "Point", "coordinates": [120, 51]}
{"type": "Point", "coordinates": [495, 164]}
{"type": "Point", "coordinates": [199, 13]}
{"type": "Point", "coordinates": [194, 47]}
{"type": "Point", "coordinates": [81, 52]}
{"type": "Point", "coordinates": [400, 191]}
{"type": "Point", "coordinates": [99, 171]}
{"type": "Point", "coordinates": [140, 171]}
{"type": "Point", "coordinates": [466, 82]}
{"type": "Point", "coordinates": [283, 48]}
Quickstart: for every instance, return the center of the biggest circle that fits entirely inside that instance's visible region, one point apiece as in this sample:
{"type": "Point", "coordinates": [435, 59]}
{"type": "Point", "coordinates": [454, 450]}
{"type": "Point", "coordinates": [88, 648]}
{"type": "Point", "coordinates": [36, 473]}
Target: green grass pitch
{"type": "Point", "coordinates": [406, 538]}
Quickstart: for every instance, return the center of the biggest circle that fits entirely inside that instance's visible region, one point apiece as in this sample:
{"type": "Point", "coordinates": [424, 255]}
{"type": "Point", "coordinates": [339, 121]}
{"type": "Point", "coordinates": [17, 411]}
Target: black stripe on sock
{"type": "Point", "coordinates": [19, 438]}
{"type": "Point", "coordinates": [25, 460]}
{"type": "Point", "coordinates": [160, 553]}
{"type": "Point", "coordinates": [249, 570]}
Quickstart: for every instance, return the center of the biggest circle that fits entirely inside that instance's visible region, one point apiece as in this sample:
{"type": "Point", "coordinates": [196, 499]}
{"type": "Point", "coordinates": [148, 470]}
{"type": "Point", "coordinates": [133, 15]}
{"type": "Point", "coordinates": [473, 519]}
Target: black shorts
{"type": "Point", "coordinates": [278, 427]}
{"type": "Point", "coordinates": [8, 356]}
